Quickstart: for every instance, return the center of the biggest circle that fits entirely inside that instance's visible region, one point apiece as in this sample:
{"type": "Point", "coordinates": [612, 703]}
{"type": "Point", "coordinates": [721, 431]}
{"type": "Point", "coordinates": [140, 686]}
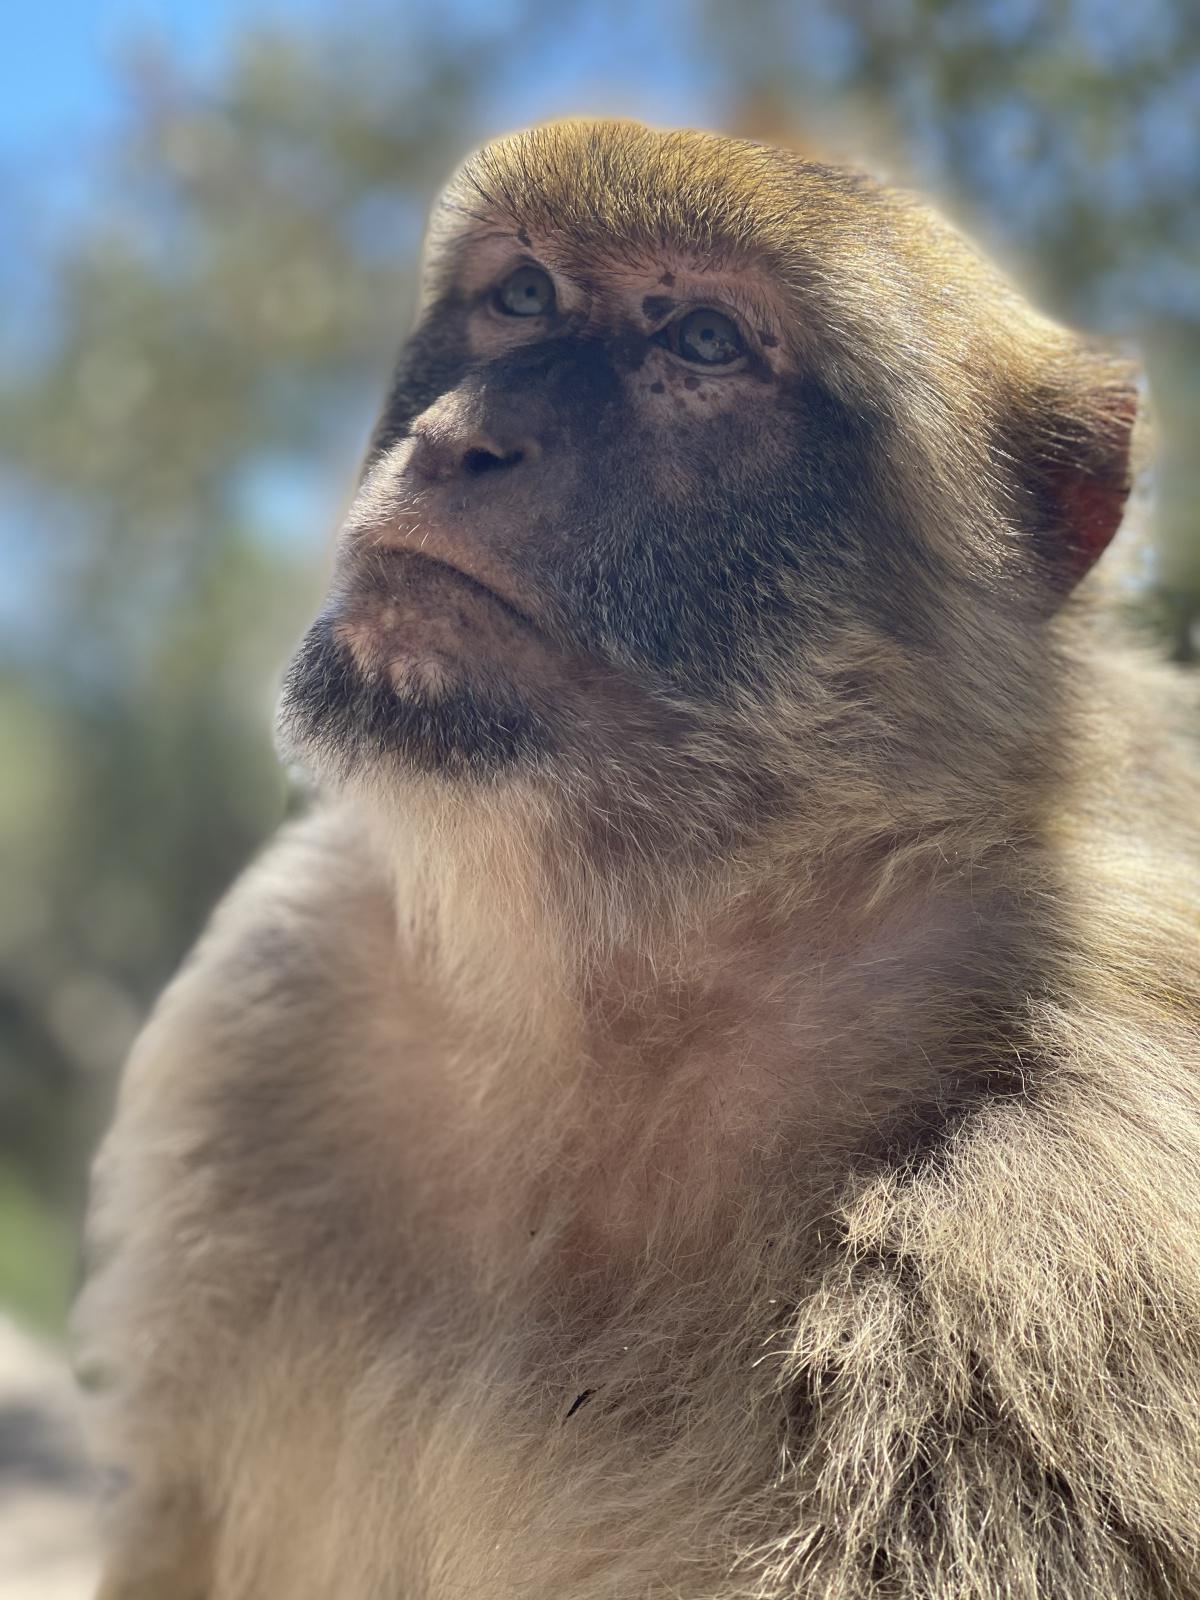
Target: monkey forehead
{"type": "Point", "coordinates": [623, 193]}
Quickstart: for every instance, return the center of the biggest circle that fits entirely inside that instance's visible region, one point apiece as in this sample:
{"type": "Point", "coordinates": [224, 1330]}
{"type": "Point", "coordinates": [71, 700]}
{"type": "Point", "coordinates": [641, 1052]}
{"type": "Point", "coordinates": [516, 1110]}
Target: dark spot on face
{"type": "Point", "coordinates": [691, 382]}
{"type": "Point", "coordinates": [523, 238]}
{"type": "Point", "coordinates": [657, 388]}
{"type": "Point", "coordinates": [767, 340]}
{"type": "Point", "coordinates": [657, 306]}
{"type": "Point", "coordinates": [667, 280]}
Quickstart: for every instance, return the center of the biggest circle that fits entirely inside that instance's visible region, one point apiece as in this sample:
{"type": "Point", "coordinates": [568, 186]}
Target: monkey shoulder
{"type": "Point", "coordinates": [227, 1161]}
{"type": "Point", "coordinates": [276, 973]}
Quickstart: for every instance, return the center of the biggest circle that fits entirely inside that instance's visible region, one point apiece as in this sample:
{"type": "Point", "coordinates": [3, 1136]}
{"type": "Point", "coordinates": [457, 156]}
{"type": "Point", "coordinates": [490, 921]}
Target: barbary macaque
{"type": "Point", "coordinates": [707, 1102]}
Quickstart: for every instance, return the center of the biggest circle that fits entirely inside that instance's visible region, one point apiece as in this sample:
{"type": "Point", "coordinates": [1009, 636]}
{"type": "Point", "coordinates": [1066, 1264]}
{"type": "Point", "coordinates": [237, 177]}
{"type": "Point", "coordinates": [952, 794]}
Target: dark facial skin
{"type": "Point", "coordinates": [564, 505]}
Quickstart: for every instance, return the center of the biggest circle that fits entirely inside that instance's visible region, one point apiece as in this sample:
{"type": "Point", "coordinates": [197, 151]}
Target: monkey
{"type": "Point", "coordinates": [706, 1101]}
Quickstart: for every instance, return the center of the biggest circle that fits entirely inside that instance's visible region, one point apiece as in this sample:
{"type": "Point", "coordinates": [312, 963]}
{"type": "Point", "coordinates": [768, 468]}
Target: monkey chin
{"type": "Point", "coordinates": [438, 676]}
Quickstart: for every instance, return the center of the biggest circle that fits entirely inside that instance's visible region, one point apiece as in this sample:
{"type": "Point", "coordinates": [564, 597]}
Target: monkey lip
{"type": "Point", "coordinates": [470, 567]}
{"type": "Point", "coordinates": [423, 622]}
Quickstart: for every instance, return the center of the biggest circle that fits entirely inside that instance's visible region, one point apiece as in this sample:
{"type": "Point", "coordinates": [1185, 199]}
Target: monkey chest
{"type": "Point", "coordinates": [472, 1480]}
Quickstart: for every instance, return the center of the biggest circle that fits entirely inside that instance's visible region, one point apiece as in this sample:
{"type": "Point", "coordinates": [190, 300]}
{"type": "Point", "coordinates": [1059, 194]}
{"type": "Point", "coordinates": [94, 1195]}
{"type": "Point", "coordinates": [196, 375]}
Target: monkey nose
{"type": "Point", "coordinates": [481, 458]}
{"type": "Point", "coordinates": [446, 457]}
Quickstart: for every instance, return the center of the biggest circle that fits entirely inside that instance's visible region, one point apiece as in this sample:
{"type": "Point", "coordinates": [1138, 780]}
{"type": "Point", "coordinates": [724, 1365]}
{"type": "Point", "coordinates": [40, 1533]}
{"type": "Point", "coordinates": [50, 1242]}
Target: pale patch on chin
{"type": "Point", "coordinates": [376, 648]}
{"type": "Point", "coordinates": [424, 675]}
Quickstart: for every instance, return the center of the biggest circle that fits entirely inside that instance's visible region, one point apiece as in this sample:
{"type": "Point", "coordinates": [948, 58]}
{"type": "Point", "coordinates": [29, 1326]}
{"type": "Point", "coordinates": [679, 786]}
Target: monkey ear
{"type": "Point", "coordinates": [1083, 471]}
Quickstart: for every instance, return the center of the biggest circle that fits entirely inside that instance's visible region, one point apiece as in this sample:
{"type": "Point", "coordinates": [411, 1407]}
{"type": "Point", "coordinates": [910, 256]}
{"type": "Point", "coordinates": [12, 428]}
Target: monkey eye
{"type": "Point", "coordinates": [527, 292]}
{"type": "Point", "coordinates": [705, 336]}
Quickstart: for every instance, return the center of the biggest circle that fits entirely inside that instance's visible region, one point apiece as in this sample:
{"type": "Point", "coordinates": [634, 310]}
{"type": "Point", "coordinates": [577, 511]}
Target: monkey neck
{"type": "Point", "coordinates": [826, 968]}
{"type": "Point", "coordinates": [628, 1067]}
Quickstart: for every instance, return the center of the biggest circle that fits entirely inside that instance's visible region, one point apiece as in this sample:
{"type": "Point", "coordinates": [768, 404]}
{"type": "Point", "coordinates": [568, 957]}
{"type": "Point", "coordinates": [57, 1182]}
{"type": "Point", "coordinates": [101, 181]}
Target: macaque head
{"type": "Point", "coordinates": [711, 480]}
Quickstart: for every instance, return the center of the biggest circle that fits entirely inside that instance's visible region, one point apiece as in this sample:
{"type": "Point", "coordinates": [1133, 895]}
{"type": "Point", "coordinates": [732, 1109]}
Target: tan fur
{"type": "Point", "coordinates": [505, 1204]}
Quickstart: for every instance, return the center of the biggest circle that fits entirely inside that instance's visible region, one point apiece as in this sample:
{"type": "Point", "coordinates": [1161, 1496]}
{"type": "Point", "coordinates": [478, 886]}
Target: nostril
{"type": "Point", "coordinates": [478, 461]}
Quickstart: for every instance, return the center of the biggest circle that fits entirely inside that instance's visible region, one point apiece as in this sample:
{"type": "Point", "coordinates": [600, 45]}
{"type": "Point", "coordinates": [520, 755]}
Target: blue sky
{"type": "Point", "coordinates": [60, 84]}
{"type": "Point", "coordinates": [59, 80]}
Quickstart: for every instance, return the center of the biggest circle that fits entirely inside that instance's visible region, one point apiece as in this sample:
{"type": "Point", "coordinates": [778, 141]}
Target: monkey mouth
{"type": "Point", "coordinates": [412, 558]}
{"type": "Point", "coordinates": [397, 549]}
{"type": "Point", "coordinates": [423, 625]}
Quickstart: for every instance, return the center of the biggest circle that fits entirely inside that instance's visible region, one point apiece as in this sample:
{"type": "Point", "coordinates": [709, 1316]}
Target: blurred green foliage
{"type": "Point", "coordinates": [180, 417]}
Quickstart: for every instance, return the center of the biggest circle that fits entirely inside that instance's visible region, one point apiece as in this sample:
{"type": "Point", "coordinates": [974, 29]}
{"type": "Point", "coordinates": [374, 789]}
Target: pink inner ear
{"type": "Point", "coordinates": [1091, 498]}
{"type": "Point", "coordinates": [1092, 509]}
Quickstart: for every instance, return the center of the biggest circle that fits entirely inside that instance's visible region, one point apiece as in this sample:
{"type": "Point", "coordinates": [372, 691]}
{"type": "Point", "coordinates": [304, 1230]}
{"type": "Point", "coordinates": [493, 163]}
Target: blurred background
{"type": "Point", "coordinates": [211, 211]}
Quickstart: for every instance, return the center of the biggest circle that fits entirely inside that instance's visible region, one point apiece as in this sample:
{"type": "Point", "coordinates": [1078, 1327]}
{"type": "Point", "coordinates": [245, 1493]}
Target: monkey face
{"type": "Point", "coordinates": [595, 513]}
{"type": "Point", "coordinates": [692, 441]}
